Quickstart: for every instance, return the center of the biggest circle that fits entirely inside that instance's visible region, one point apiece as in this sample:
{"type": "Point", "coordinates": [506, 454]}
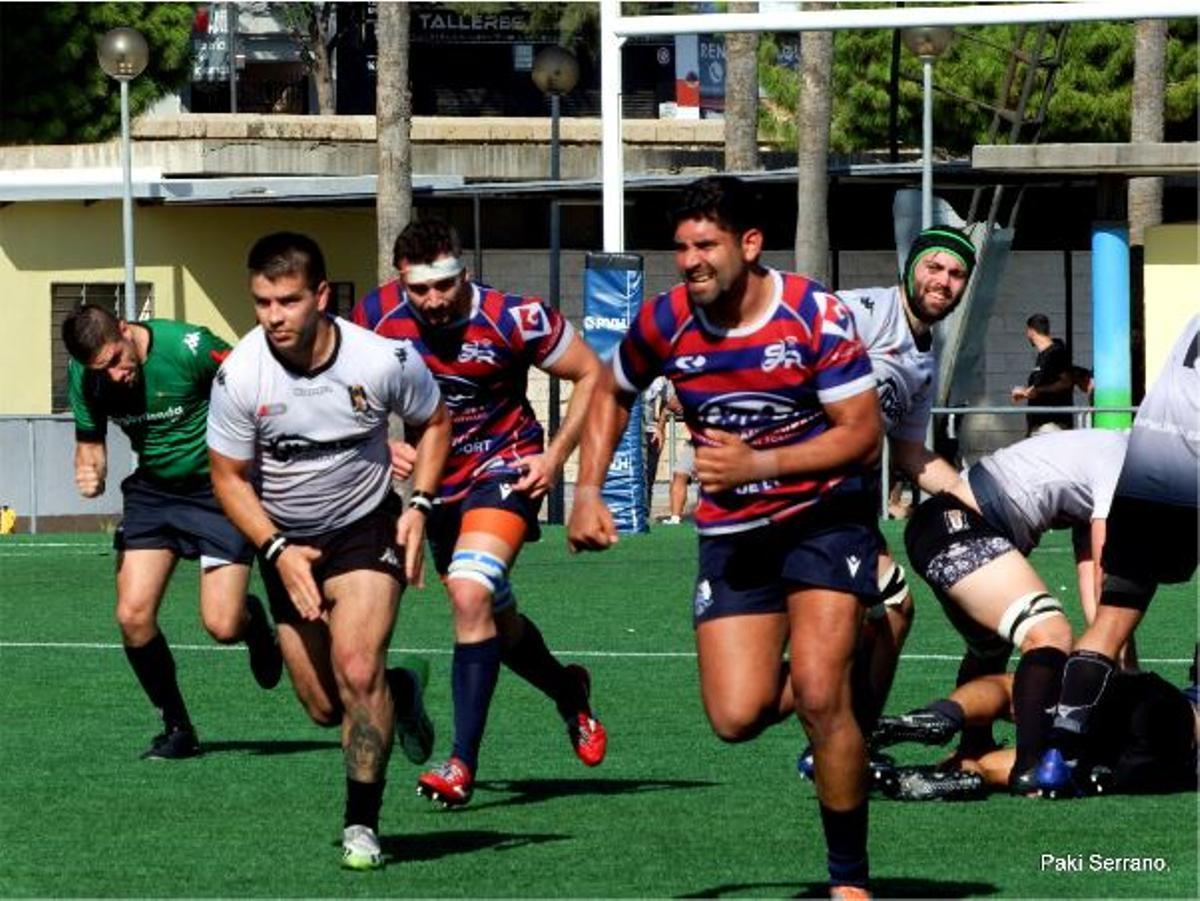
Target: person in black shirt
{"type": "Point", "coordinates": [1050, 383]}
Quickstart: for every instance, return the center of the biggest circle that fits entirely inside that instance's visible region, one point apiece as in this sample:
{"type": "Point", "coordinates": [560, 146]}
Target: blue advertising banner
{"type": "Point", "coordinates": [612, 295]}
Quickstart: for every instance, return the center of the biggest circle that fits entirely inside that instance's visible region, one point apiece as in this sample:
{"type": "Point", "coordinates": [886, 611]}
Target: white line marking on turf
{"type": "Point", "coordinates": [113, 646]}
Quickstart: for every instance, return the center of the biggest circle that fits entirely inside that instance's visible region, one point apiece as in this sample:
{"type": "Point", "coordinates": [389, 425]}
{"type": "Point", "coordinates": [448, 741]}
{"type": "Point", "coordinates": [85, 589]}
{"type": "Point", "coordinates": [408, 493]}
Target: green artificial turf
{"type": "Point", "coordinates": [672, 812]}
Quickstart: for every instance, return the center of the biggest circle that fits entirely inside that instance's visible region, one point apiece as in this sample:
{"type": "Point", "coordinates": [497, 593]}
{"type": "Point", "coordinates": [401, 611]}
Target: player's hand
{"type": "Point", "coordinates": [656, 438]}
{"type": "Point", "coordinates": [88, 480]}
{"type": "Point", "coordinates": [591, 526]}
{"type": "Point", "coordinates": [1019, 394]}
{"type": "Point", "coordinates": [410, 535]}
{"type": "Point", "coordinates": [294, 565]}
{"type": "Point", "coordinates": [726, 461]}
{"type": "Point", "coordinates": [539, 475]}
{"type": "Point", "coordinates": [404, 459]}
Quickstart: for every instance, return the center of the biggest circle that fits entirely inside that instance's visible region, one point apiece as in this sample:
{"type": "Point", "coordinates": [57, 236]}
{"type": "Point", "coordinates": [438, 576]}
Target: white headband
{"type": "Point", "coordinates": [442, 267]}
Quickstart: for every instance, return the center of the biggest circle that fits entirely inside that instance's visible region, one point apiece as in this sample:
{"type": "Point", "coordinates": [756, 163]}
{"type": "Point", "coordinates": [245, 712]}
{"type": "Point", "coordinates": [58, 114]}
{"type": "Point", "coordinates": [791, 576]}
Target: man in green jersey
{"type": "Point", "coordinates": [153, 380]}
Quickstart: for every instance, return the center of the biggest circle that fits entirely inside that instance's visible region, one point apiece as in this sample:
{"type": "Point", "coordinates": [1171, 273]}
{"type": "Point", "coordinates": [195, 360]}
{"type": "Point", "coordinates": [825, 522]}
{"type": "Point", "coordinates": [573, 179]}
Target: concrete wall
{"type": "Point", "coordinates": [1172, 282]}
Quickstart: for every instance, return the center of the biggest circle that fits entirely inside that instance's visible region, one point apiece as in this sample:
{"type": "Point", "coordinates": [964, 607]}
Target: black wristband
{"type": "Point", "coordinates": [421, 500]}
{"type": "Point", "coordinates": [273, 547]}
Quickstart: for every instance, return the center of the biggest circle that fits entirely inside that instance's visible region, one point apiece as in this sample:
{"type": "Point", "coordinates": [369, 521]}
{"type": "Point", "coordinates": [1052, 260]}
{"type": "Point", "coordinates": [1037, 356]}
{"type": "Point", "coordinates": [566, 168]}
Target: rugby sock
{"type": "Point", "coordinates": [363, 800]}
{"type": "Point", "coordinates": [846, 844]}
{"type": "Point", "coordinates": [473, 675]}
{"type": "Point", "coordinates": [154, 667]}
{"type": "Point", "coordinates": [951, 710]}
{"type": "Point", "coordinates": [1083, 682]}
{"type": "Point", "coordinates": [1036, 686]}
{"type": "Point", "coordinates": [530, 659]}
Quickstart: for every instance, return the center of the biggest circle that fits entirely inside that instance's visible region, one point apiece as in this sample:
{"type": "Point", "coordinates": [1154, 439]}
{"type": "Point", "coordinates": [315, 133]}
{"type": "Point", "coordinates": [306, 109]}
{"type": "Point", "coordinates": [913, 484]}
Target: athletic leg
{"type": "Point", "coordinates": [742, 683]}
{"type": "Point", "coordinates": [230, 615]}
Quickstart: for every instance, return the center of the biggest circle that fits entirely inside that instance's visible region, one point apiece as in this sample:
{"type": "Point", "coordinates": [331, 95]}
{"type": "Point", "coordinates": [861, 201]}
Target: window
{"type": "Point", "coordinates": [68, 296]}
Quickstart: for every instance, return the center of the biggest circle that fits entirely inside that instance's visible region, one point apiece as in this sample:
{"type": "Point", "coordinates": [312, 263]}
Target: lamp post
{"type": "Point", "coordinates": [928, 42]}
{"type": "Point", "coordinates": [123, 55]}
{"type": "Point", "coordinates": [555, 72]}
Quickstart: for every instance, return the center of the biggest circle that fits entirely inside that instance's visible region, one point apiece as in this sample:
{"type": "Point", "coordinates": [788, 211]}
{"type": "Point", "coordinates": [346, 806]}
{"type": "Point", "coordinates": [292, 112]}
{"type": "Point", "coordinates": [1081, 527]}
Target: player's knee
{"type": "Point", "coordinates": [321, 709]}
{"type": "Point", "coordinates": [225, 626]}
{"type": "Point", "coordinates": [820, 702]}
{"type": "Point", "coordinates": [137, 621]}
{"type": "Point", "coordinates": [737, 723]}
{"type": "Point", "coordinates": [1051, 632]}
{"type": "Point", "coordinates": [478, 584]}
{"type": "Point", "coordinates": [358, 672]}
{"type": "Point", "coordinates": [1035, 619]}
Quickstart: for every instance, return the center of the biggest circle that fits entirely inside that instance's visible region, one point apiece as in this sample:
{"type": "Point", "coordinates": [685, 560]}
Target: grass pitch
{"type": "Point", "coordinates": [672, 812]}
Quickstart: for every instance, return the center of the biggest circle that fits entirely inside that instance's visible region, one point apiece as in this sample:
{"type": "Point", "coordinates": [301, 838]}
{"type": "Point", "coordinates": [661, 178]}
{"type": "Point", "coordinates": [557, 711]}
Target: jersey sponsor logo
{"type": "Point", "coordinates": [221, 376]}
{"type": "Point", "coordinates": [316, 391]}
{"type": "Point", "coordinates": [265, 410]}
{"type": "Point", "coordinates": [478, 352]}
{"type": "Point", "coordinates": [474, 447]}
{"type": "Point", "coordinates": [703, 597]}
{"type": "Point", "coordinates": [757, 487]}
{"type": "Point", "coordinates": [605, 323]}
{"type": "Point", "coordinates": [169, 413]}
{"type": "Point", "coordinates": [191, 341]}
{"type": "Point", "coordinates": [532, 320]}
{"type": "Point", "coordinates": [890, 403]}
{"type": "Point", "coordinates": [743, 409]}
{"type": "Point", "coordinates": [785, 354]}
{"type": "Point", "coordinates": [286, 448]}
{"type": "Point", "coordinates": [621, 463]}
{"type": "Point", "coordinates": [690, 362]}
{"type": "Point", "coordinates": [456, 390]}
{"type": "Point", "coordinates": [401, 350]}
{"type": "Point", "coordinates": [358, 398]}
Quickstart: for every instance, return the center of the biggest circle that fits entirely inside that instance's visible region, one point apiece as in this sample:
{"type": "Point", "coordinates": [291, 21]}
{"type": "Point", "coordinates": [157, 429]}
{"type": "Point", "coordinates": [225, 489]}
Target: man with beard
{"type": "Point", "coordinates": [778, 394]}
{"type": "Point", "coordinates": [896, 325]}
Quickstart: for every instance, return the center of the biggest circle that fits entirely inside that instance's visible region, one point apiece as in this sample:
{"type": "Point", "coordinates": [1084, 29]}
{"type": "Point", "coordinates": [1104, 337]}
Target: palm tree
{"type": "Point", "coordinates": [741, 96]}
{"type": "Point", "coordinates": [812, 154]}
{"type": "Point", "coordinates": [1146, 121]}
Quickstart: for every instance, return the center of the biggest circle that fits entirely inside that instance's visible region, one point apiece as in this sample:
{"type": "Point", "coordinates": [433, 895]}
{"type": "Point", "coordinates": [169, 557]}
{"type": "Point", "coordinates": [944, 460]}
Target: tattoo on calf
{"type": "Point", "coordinates": [366, 748]}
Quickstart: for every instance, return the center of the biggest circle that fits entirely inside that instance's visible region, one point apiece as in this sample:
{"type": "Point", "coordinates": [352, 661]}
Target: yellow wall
{"type": "Point", "coordinates": [194, 257]}
{"type": "Point", "coordinates": [1172, 283]}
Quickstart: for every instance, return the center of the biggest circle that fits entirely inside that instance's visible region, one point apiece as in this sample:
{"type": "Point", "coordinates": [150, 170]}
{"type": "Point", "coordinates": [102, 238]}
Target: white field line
{"type": "Point", "coordinates": [653, 655]}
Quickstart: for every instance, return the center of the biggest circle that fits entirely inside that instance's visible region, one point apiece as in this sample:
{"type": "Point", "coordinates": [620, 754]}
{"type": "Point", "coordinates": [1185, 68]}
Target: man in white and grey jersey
{"type": "Point", "coordinates": [896, 325]}
{"type": "Point", "coordinates": [1152, 539]}
{"type": "Point", "coordinates": [970, 544]}
{"type": "Point", "coordinates": [297, 437]}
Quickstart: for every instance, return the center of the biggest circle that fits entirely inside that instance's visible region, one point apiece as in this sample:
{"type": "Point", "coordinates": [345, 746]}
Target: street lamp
{"type": "Point", "coordinates": [928, 42]}
{"type": "Point", "coordinates": [555, 72]}
{"type": "Point", "coordinates": [123, 55]}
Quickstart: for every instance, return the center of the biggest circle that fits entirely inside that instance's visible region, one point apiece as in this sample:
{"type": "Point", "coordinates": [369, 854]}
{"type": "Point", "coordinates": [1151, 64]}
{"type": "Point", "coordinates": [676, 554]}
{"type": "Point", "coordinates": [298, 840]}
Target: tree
{"type": "Point", "coordinates": [812, 154]}
{"type": "Point", "coordinates": [1146, 121]}
{"type": "Point", "coordinates": [741, 96]}
{"type": "Point", "coordinates": [393, 132]}
{"type": "Point", "coordinates": [52, 89]}
{"type": "Point", "coordinates": [312, 24]}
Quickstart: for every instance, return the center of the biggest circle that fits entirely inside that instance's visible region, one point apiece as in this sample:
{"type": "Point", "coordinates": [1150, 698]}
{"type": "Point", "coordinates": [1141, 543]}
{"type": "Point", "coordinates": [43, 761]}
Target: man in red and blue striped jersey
{"type": "Point", "coordinates": [779, 396]}
{"type": "Point", "coordinates": [479, 344]}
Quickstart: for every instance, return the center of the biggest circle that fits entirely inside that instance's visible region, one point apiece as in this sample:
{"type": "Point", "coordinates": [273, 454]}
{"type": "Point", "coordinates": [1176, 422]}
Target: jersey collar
{"type": "Point", "coordinates": [310, 373]}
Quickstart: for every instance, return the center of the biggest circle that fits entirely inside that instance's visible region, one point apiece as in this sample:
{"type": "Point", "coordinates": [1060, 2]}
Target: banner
{"type": "Point", "coordinates": [612, 295]}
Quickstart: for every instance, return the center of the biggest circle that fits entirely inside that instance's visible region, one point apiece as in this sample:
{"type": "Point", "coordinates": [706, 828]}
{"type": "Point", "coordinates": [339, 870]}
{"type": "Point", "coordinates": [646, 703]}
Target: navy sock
{"type": "Point", "coordinates": [473, 675]}
{"type": "Point", "coordinates": [154, 667]}
{"type": "Point", "coordinates": [530, 659]}
{"type": "Point", "coordinates": [1084, 679]}
{"type": "Point", "coordinates": [846, 843]}
{"type": "Point", "coordinates": [1036, 687]}
{"type": "Point", "coordinates": [951, 710]}
{"type": "Point", "coordinates": [363, 800]}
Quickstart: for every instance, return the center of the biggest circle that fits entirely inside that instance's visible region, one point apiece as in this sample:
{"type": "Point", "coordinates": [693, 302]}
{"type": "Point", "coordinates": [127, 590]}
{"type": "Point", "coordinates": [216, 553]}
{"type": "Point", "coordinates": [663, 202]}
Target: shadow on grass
{"type": "Point", "coordinates": [534, 791]}
{"type": "Point", "coordinates": [436, 845]}
{"type": "Point", "coordinates": [268, 748]}
{"type": "Point", "coordinates": [880, 888]}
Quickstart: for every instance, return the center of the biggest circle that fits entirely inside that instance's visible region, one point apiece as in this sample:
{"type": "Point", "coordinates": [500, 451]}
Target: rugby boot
{"type": "Point", "coordinates": [588, 736]}
{"type": "Point", "coordinates": [174, 743]}
{"type": "Point", "coordinates": [924, 784]}
{"type": "Point", "coordinates": [266, 662]}
{"type": "Point", "coordinates": [449, 785]}
{"type": "Point", "coordinates": [848, 893]}
{"type": "Point", "coordinates": [360, 849]}
{"type": "Point", "coordinates": [414, 728]}
{"type": "Point", "coordinates": [926, 727]}
{"type": "Point", "coordinates": [1055, 777]}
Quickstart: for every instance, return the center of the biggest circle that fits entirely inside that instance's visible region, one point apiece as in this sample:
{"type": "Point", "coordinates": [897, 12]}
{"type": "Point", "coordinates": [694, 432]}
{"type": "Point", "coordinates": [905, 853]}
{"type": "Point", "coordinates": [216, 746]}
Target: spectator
{"type": "Point", "coordinates": [1050, 382]}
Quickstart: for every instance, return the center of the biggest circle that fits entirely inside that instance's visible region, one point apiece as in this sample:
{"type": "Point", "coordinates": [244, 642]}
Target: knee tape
{"type": "Point", "coordinates": [482, 568]}
{"type": "Point", "coordinates": [1025, 612]}
{"type": "Point", "coordinates": [893, 589]}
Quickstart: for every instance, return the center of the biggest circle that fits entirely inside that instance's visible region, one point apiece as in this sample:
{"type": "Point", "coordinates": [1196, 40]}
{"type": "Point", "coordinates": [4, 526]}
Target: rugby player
{"type": "Point", "coordinates": [297, 434]}
{"type": "Point", "coordinates": [971, 543]}
{"type": "Point", "coordinates": [778, 394]}
{"type": "Point", "coordinates": [480, 344]}
{"type": "Point", "coordinates": [153, 380]}
{"type": "Point", "coordinates": [1152, 538]}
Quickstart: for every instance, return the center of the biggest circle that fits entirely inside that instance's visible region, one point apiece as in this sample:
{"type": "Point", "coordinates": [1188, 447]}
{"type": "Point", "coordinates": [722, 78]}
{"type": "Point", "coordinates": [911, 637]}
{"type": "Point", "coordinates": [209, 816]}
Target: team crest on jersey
{"type": "Point", "coordinates": [532, 320]}
{"type": "Point", "coordinates": [956, 521]}
{"type": "Point", "coordinates": [782, 354]}
{"type": "Point", "coordinates": [478, 352]}
{"type": "Point", "coordinates": [358, 398]}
